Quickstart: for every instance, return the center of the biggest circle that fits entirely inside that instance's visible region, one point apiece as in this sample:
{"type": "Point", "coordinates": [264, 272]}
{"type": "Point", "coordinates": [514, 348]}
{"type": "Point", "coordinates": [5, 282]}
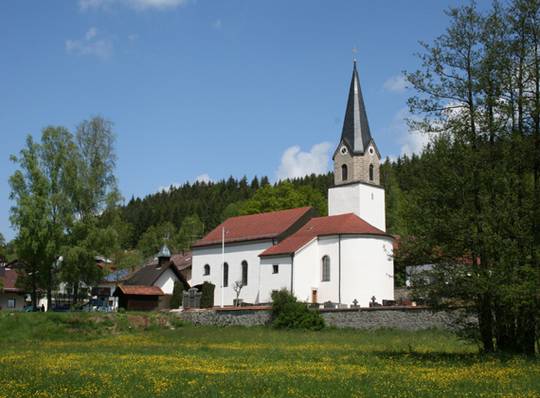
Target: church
{"type": "Point", "coordinates": [344, 258]}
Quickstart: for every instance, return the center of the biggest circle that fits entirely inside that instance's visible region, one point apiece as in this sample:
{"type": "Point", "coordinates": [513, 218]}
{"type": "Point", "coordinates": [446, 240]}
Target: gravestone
{"type": "Point", "coordinates": [329, 304]}
{"type": "Point", "coordinates": [191, 298]}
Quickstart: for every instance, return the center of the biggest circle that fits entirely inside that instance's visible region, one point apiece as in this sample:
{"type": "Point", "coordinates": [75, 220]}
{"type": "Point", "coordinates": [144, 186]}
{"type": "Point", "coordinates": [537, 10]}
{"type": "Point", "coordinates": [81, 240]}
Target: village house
{"type": "Point", "coordinates": [11, 296]}
{"type": "Point", "coordinates": [151, 287]}
{"type": "Point", "coordinates": [343, 258]}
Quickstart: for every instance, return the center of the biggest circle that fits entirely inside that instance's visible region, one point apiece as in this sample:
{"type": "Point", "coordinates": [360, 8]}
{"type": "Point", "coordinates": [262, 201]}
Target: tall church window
{"type": "Point", "coordinates": [325, 269]}
{"type": "Point", "coordinates": [225, 274]}
{"type": "Point", "coordinates": [244, 273]}
{"type": "Point", "coordinates": [206, 269]}
{"type": "Point", "coordinates": [344, 173]}
{"type": "Point", "coordinates": [370, 172]}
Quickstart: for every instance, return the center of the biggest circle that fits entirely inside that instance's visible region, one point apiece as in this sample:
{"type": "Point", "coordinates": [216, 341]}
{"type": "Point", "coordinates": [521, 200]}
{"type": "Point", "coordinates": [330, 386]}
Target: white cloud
{"type": "Point", "coordinates": [396, 84]}
{"type": "Point", "coordinates": [91, 44]}
{"type": "Point", "coordinates": [167, 188]}
{"type": "Point", "coordinates": [410, 141]}
{"type": "Point", "coordinates": [295, 163]}
{"type": "Point", "coordinates": [92, 32]}
{"type": "Point", "coordinates": [203, 178]}
{"type": "Point", "coordinates": [217, 24]}
{"type": "Point", "coordinates": [139, 5]}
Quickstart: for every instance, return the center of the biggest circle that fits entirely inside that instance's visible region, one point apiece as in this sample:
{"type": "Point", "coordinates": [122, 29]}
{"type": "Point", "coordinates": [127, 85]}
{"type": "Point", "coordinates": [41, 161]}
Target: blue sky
{"type": "Point", "coordinates": [202, 89]}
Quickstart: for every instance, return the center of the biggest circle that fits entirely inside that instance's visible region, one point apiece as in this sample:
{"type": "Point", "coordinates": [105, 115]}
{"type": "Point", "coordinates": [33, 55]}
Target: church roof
{"type": "Point", "coordinates": [272, 225]}
{"type": "Point", "coordinates": [342, 224]}
{"type": "Point", "coordinates": [355, 133]}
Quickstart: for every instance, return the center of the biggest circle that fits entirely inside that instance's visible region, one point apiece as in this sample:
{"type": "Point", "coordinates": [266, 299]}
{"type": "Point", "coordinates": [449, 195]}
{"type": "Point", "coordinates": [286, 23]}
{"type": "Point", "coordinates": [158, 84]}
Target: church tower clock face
{"type": "Point", "coordinates": [344, 150]}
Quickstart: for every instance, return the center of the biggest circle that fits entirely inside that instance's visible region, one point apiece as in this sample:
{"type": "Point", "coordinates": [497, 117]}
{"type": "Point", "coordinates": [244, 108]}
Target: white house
{"type": "Point", "coordinates": [345, 257]}
{"type": "Point", "coordinates": [151, 286]}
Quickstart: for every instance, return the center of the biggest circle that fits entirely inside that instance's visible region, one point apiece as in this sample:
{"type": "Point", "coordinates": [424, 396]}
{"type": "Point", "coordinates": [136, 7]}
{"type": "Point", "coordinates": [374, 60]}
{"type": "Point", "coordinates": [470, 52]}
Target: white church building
{"type": "Point", "coordinates": [344, 257]}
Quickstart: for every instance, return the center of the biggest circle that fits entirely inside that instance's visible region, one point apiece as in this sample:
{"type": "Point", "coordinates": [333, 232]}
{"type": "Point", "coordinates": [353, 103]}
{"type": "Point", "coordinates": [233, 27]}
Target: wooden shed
{"type": "Point", "coordinates": [138, 297]}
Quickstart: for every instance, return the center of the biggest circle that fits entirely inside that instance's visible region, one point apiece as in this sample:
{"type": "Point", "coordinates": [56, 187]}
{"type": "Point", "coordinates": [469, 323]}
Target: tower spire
{"type": "Point", "coordinates": [355, 132]}
{"type": "Point", "coordinates": [356, 158]}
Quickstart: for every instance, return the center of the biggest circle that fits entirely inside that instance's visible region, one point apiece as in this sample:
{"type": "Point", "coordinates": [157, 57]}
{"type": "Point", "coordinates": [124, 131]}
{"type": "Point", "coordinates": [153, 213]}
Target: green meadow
{"type": "Point", "coordinates": [153, 355]}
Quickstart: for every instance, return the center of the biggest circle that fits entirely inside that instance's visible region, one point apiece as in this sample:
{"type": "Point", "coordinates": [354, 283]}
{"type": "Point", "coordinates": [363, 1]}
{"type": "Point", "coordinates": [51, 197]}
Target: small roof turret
{"type": "Point", "coordinates": [164, 252]}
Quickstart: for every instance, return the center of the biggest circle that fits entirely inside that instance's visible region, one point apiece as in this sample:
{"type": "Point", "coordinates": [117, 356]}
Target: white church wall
{"type": "Point", "coordinates": [305, 271]}
{"type": "Point", "coordinates": [234, 255]}
{"type": "Point", "coordinates": [367, 269]}
{"type": "Point", "coordinates": [166, 282]}
{"type": "Point", "coordinates": [364, 200]}
{"type": "Point", "coordinates": [328, 290]}
{"type": "Point", "coordinates": [269, 280]}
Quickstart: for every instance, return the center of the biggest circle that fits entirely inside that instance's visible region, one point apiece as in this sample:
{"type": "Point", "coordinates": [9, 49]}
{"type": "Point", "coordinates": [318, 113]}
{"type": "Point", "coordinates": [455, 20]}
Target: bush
{"type": "Point", "coordinates": [177, 295]}
{"type": "Point", "coordinates": [289, 313]}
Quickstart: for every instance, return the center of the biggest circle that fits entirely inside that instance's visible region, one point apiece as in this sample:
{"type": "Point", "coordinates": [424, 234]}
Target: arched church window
{"type": "Point", "coordinates": [206, 269]}
{"type": "Point", "coordinates": [244, 272]}
{"type": "Point", "coordinates": [325, 269]}
{"type": "Point", "coordinates": [344, 173]}
{"type": "Point", "coordinates": [370, 172]}
{"type": "Point", "coordinates": [225, 274]}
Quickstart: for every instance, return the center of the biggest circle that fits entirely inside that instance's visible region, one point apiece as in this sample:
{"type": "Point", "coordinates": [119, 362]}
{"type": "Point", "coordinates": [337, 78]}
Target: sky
{"type": "Point", "coordinates": [201, 89]}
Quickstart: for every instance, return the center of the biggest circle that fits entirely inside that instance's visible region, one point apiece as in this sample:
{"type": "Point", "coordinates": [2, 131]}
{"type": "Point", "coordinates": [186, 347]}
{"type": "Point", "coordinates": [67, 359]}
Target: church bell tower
{"type": "Point", "coordinates": [357, 165]}
{"type": "Point", "coordinates": [356, 157]}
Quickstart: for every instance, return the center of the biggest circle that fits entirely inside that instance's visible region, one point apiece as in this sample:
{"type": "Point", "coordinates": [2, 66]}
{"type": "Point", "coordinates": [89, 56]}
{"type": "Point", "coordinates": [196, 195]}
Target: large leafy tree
{"type": "Point", "coordinates": [62, 185]}
{"type": "Point", "coordinates": [94, 194]}
{"type": "Point", "coordinates": [42, 212]}
{"type": "Point", "coordinates": [283, 196]}
{"type": "Point", "coordinates": [155, 237]}
{"type": "Point", "coordinates": [192, 228]}
{"type": "Point", "coordinates": [473, 209]}
{"type": "Point", "coordinates": [2, 245]}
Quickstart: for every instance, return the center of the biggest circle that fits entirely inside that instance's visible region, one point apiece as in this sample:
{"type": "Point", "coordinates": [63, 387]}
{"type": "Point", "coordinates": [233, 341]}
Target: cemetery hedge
{"type": "Point", "coordinates": [152, 355]}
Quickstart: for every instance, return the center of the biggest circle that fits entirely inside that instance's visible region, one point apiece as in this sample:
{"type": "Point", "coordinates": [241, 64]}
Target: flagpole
{"type": "Point", "coordinates": [222, 262]}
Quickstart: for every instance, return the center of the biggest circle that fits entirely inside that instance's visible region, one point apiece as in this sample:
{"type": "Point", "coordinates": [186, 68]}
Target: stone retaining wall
{"type": "Point", "coordinates": [226, 318]}
{"type": "Point", "coordinates": [404, 318]}
{"type": "Point", "coordinates": [409, 318]}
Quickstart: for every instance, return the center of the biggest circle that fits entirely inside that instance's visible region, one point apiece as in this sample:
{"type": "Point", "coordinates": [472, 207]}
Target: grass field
{"type": "Point", "coordinates": [66, 355]}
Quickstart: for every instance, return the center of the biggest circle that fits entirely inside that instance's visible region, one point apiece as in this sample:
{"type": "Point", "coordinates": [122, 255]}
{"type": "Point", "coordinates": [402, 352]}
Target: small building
{"type": "Point", "coordinates": [154, 283]}
{"type": "Point", "coordinates": [138, 298]}
{"type": "Point", "coordinates": [11, 296]}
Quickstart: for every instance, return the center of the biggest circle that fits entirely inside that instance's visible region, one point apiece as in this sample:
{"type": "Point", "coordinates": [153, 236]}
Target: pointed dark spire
{"type": "Point", "coordinates": [355, 131]}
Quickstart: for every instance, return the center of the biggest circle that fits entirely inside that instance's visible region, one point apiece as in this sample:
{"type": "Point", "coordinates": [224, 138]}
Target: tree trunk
{"type": "Point", "coordinates": [49, 289]}
{"type": "Point", "coordinates": [75, 292]}
{"type": "Point", "coordinates": [485, 321]}
{"type": "Point", "coordinates": [34, 291]}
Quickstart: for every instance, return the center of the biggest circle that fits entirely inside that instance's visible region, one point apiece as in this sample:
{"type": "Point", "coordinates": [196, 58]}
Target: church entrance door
{"type": "Point", "coordinates": [314, 296]}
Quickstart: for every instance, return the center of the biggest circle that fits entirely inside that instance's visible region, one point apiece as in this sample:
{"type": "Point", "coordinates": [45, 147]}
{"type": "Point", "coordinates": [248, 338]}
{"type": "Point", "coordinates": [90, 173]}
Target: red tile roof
{"type": "Point", "coordinates": [343, 224]}
{"type": "Point", "coordinates": [9, 280]}
{"type": "Point", "coordinates": [140, 290]}
{"type": "Point", "coordinates": [256, 226]}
